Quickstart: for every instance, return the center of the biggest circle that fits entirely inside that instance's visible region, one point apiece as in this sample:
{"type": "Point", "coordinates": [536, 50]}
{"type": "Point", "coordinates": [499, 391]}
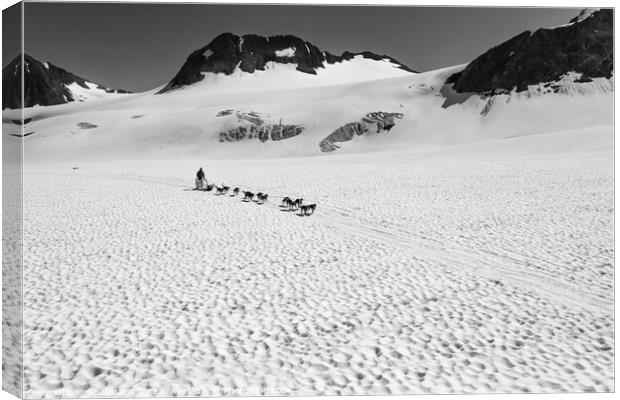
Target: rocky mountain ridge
{"type": "Point", "coordinates": [583, 46]}
{"type": "Point", "coordinates": [249, 53]}
{"type": "Point", "coordinates": [45, 84]}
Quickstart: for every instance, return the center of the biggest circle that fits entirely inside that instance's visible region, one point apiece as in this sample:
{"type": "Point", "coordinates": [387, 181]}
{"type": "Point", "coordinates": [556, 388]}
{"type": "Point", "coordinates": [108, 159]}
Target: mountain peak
{"type": "Point", "coordinates": [45, 84]}
{"type": "Point", "coordinates": [229, 52]}
{"type": "Point", "coordinates": [583, 46]}
{"type": "Point", "coordinates": [583, 14]}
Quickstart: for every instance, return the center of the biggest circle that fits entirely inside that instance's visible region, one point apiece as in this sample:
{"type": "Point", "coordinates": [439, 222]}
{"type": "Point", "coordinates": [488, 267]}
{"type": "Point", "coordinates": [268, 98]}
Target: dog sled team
{"type": "Point", "coordinates": [260, 198]}
{"type": "Point", "coordinates": [297, 204]}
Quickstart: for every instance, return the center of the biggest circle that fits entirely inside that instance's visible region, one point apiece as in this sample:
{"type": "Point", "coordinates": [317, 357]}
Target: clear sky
{"type": "Point", "coordinates": [140, 46]}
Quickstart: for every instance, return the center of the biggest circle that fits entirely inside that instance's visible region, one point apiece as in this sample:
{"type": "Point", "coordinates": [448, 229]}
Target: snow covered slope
{"type": "Point", "coordinates": [234, 124]}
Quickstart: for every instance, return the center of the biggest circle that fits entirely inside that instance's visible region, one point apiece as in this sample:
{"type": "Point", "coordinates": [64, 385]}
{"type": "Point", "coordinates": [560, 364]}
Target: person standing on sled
{"type": "Point", "coordinates": [200, 179]}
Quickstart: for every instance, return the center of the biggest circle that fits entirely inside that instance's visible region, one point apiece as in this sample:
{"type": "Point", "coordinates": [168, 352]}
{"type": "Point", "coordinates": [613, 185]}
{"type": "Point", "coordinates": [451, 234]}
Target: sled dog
{"type": "Point", "coordinates": [247, 196]}
{"type": "Point", "coordinates": [308, 209]}
{"type": "Point", "coordinates": [296, 204]}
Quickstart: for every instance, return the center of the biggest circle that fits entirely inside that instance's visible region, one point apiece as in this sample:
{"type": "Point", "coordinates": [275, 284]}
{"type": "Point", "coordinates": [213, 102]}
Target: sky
{"type": "Point", "coordinates": [141, 46]}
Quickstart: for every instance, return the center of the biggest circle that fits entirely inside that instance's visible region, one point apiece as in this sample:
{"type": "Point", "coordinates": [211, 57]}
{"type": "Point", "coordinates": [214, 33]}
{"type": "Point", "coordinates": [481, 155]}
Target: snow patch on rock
{"type": "Point", "coordinates": [288, 52]}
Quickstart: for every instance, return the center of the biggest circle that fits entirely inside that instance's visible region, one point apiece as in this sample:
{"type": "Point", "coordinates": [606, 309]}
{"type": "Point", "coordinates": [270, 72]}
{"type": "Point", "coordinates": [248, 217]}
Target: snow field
{"type": "Point", "coordinates": [415, 275]}
{"type": "Point", "coordinates": [469, 250]}
{"type": "Point", "coordinates": [12, 360]}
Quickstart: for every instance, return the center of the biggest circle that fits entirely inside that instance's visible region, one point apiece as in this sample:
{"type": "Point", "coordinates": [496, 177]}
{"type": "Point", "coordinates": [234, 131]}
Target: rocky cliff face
{"type": "Point", "coordinates": [258, 126]}
{"type": "Point", "coordinates": [584, 46]}
{"type": "Point", "coordinates": [250, 53]}
{"type": "Point", "coordinates": [253, 125]}
{"type": "Point", "coordinates": [374, 122]}
{"type": "Point", "coordinates": [44, 84]}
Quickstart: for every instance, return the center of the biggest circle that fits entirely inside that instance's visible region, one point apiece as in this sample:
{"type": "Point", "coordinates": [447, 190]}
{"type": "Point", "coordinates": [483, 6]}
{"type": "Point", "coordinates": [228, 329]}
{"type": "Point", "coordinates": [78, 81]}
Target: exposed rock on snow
{"type": "Point", "coordinates": [383, 120]}
{"type": "Point", "coordinates": [372, 122]}
{"type": "Point", "coordinates": [21, 136]}
{"type": "Point", "coordinates": [584, 46]}
{"type": "Point", "coordinates": [253, 125]}
{"type": "Point", "coordinates": [225, 112]}
{"type": "Point", "coordinates": [86, 125]}
{"type": "Point", "coordinates": [571, 84]}
{"type": "Point", "coordinates": [250, 53]}
{"type": "Point", "coordinates": [342, 134]}
{"type": "Point", "coordinates": [45, 84]}
{"type": "Point", "coordinates": [19, 121]}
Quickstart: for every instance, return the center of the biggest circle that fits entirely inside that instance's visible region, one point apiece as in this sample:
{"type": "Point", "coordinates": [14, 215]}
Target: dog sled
{"type": "Point", "coordinates": [200, 183]}
{"type": "Point", "coordinates": [288, 204]}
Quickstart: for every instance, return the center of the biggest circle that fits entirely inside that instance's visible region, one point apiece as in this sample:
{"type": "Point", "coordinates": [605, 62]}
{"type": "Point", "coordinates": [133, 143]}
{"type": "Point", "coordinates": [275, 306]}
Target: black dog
{"type": "Point", "coordinates": [296, 204]}
{"type": "Point", "coordinates": [308, 209]}
{"type": "Point", "coordinates": [286, 202]}
{"type": "Point", "coordinates": [262, 198]}
{"type": "Point", "coordinates": [235, 192]}
{"type": "Point", "coordinates": [247, 196]}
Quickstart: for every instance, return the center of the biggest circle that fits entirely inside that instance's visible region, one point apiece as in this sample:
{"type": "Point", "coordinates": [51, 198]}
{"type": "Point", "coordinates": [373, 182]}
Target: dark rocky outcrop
{"type": "Point", "coordinates": [253, 125]}
{"type": "Point", "coordinates": [20, 122]}
{"type": "Point", "coordinates": [86, 125]}
{"type": "Point", "coordinates": [22, 136]}
{"type": "Point", "coordinates": [342, 134]}
{"type": "Point", "coordinates": [584, 46]}
{"type": "Point", "coordinates": [372, 122]}
{"type": "Point", "coordinates": [224, 113]}
{"type": "Point", "coordinates": [45, 84]}
{"type": "Point", "coordinates": [251, 53]}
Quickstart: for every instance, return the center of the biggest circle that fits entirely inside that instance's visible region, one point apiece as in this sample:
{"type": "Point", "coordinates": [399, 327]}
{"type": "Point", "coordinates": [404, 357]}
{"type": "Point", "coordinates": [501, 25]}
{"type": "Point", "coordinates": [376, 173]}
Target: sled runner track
{"type": "Point", "coordinates": [506, 268]}
{"type": "Point", "coordinates": [484, 265]}
{"type": "Point", "coordinates": [172, 182]}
